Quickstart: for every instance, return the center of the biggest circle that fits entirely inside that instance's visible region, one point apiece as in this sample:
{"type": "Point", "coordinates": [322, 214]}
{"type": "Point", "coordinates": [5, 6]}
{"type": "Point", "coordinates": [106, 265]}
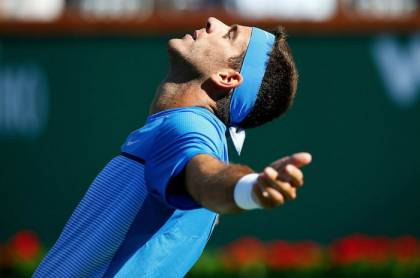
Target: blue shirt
{"type": "Point", "coordinates": [129, 224]}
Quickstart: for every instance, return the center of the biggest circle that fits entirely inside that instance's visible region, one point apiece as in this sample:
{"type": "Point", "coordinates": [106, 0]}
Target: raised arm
{"type": "Point", "coordinates": [212, 183]}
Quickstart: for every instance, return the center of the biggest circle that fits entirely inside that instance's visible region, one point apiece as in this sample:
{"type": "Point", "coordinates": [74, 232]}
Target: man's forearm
{"type": "Point", "coordinates": [211, 183]}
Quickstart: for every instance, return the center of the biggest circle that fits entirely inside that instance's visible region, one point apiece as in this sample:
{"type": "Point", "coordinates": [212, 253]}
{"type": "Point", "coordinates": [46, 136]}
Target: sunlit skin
{"type": "Point", "coordinates": [199, 75]}
{"type": "Point", "coordinates": [208, 49]}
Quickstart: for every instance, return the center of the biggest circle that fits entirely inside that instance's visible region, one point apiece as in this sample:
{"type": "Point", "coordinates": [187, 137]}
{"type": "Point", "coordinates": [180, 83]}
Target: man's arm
{"type": "Point", "coordinates": [211, 182]}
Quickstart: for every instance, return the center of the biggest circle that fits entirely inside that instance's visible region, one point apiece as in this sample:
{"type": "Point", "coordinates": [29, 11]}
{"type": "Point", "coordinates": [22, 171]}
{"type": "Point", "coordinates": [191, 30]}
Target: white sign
{"type": "Point", "coordinates": [24, 101]}
{"type": "Point", "coordinates": [399, 66]}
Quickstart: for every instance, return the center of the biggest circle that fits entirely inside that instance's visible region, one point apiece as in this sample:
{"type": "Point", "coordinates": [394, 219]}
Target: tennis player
{"type": "Point", "coordinates": [151, 210]}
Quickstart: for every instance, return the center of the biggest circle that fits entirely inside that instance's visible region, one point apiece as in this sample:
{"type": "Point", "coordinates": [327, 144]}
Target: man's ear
{"type": "Point", "coordinates": [227, 79]}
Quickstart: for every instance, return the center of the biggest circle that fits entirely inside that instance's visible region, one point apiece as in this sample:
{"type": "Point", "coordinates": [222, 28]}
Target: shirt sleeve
{"type": "Point", "coordinates": [181, 137]}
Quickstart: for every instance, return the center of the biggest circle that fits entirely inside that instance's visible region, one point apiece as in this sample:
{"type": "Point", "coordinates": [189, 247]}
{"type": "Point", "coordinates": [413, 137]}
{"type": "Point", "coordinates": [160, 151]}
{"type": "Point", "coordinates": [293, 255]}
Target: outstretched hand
{"type": "Point", "coordinates": [280, 181]}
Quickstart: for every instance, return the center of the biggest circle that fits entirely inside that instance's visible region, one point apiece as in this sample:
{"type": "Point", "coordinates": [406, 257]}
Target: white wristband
{"type": "Point", "coordinates": [244, 195]}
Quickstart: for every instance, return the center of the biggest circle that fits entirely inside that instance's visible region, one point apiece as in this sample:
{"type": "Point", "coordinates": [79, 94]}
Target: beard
{"type": "Point", "coordinates": [182, 66]}
{"type": "Point", "coordinates": [223, 109]}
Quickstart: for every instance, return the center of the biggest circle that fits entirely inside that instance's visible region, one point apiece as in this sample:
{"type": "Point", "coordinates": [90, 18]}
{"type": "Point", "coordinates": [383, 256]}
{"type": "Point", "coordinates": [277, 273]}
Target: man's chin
{"type": "Point", "coordinates": [181, 43]}
{"type": "Point", "coordinates": [172, 43]}
{"type": "Point", "coordinates": [175, 47]}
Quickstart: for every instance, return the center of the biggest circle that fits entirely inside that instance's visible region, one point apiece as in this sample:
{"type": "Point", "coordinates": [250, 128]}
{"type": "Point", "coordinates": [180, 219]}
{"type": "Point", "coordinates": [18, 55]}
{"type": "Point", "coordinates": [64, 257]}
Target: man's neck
{"type": "Point", "coordinates": [175, 93]}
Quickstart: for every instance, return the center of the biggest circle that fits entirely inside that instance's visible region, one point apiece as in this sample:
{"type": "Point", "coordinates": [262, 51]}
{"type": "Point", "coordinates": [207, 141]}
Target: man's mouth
{"type": "Point", "coordinates": [193, 35]}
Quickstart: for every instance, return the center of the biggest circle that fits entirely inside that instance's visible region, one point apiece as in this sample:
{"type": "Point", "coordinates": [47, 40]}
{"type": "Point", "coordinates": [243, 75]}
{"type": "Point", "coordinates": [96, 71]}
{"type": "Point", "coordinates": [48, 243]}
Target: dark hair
{"type": "Point", "coordinates": [278, 87]}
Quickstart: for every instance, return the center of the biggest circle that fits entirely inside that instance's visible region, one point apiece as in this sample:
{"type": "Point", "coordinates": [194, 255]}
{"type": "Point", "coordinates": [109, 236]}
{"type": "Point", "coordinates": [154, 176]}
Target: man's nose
{"type": "Point", "coordinates": [213, 24]}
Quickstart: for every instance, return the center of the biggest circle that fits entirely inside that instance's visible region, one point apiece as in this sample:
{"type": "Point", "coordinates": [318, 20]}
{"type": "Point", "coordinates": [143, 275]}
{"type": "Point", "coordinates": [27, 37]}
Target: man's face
{"type": "Point", "coordinates": [208, 50]}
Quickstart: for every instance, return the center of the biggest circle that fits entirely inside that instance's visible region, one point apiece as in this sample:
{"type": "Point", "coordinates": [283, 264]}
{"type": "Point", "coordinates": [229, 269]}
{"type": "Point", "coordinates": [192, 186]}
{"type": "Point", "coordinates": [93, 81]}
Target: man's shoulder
{"type": "Point", "coordinates": [192, 119]}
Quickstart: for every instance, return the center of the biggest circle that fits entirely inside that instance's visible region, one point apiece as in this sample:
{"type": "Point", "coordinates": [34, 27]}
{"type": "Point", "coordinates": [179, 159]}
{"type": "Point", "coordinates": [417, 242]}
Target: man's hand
{"type": "Point", "coordinates": [211, 183]}
{"type": "Point", "coordinates": [280, 181]}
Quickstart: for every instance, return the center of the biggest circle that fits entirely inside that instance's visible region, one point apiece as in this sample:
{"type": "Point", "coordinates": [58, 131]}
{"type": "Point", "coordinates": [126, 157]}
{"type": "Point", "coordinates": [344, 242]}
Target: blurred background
{"type": "Point", "coordinates": [77, 76]}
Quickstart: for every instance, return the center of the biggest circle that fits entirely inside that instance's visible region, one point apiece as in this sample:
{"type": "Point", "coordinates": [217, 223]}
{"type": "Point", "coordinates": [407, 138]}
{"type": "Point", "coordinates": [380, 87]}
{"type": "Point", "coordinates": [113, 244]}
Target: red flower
{"type": "Point", "coordinates": [406, 248]}
{"type": "Point", "coordinates": [25, 245]}
{"type": "Point", "coordinates": [287, 255]}
{"type": "Point", "coordinates": [361, 248]}
{"type": "Point", "coordinates": [243, 253]}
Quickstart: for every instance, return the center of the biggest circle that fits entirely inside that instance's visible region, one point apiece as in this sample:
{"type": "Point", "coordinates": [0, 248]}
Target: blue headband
{"type": "Point", "coordinates": [253, 69]}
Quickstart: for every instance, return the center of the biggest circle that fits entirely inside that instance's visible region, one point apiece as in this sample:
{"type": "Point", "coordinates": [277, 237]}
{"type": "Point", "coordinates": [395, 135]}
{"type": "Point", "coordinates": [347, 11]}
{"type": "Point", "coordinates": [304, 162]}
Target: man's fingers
{"type": "Point", "coordinates": [276, 197]}
{"type": "Point", "coordinates": [268, 196]}
{"type": "Point", "coordinates": [270, 173]}
{"type": "Point", "coordinates": [293, 175]}
{"type": "Point", "coordinates": [269, 177]}
{"type": "Point", "coordinates": [279, 182]}
{"type": "Point", "coordinates": [281, 162]}
{"type": "Point", "coordinates": [298, 159]}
